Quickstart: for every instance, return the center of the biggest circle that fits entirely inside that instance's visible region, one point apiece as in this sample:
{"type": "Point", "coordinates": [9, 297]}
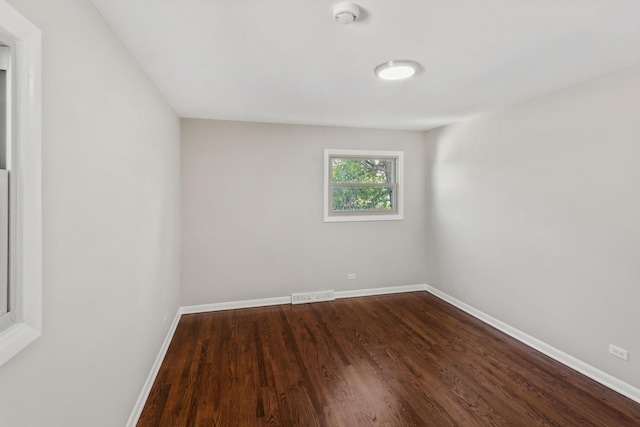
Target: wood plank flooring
{"type": "Point", "coordinates": [394, 360]}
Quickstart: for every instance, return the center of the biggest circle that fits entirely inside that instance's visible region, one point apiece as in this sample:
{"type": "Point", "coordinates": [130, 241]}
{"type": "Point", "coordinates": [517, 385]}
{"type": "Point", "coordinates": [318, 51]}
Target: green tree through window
{"type": "Point", "coordinates": [363, 184]}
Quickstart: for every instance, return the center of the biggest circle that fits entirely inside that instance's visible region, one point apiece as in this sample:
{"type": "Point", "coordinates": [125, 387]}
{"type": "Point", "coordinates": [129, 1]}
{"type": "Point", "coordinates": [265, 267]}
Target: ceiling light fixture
{"type": "Point", "coordinates": [397, 69]}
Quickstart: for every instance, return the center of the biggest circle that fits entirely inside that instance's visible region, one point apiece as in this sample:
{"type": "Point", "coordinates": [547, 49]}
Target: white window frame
{"type": "Point", "coordinates": [331, 216]}
{"type": "Point", "coordinates": [24, 322]}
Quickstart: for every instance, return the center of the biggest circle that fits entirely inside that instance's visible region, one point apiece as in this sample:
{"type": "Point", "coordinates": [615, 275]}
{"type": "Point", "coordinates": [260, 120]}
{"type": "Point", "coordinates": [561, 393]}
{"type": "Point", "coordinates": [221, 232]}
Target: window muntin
{"type": "Point", "coordinates": [363, 185]}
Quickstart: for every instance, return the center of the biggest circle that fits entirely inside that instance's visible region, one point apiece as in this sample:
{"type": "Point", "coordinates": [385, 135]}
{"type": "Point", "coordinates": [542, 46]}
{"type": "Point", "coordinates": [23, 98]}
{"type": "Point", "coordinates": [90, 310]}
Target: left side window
{"type": "Point", "coordinates": [20, 183]}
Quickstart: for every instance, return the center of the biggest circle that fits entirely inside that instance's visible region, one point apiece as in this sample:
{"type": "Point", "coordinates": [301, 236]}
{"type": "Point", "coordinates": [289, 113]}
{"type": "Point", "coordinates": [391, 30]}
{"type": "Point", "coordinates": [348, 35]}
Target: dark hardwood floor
{"type": "Point", "coordinates": [395, 360]}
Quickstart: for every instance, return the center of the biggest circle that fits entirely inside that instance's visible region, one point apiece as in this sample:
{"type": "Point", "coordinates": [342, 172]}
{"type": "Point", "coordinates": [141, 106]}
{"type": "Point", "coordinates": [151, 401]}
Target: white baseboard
{"type": "Point", "coordinates": [264, 302]}
{"type": "Point", "coordinates": [231, 305]}
{"type": "Point", "coordinates": [379, 291]}
{"type": "Point", "coordinates": [155, 368]}
{"type": "Point", "coordinates": [595, 374]}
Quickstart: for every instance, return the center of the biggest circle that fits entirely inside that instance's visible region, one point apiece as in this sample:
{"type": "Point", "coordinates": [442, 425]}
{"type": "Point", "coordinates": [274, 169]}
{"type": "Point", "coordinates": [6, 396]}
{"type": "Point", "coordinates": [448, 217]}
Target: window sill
{"type": "Point", "coordinates": [15, 339]}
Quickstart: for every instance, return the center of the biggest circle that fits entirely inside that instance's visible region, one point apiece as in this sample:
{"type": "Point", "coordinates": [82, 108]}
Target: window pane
{"type": "Point", "coordinates": [369, 171]}
{"type": "Point", "coordinates": [363, 198]}
{"type": "Point", "coordinates": [4, 241]}
{"type": "Point", "coordinates": [4, 192]}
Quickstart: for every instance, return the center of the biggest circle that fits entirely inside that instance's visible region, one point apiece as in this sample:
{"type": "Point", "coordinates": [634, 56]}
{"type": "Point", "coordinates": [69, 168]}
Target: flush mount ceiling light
{"type": "Point", "coordinates": [397, 69]}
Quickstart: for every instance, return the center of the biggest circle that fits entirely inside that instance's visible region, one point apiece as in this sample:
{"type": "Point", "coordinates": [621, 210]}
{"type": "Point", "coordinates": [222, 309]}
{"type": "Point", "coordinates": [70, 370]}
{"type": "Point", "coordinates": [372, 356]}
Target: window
{"type": "Point", "coordinates": [4, 183]}
{"type": "Point", "coordinates": [362, 185]}
{"type": "Point", "coordinates": [21, 303]}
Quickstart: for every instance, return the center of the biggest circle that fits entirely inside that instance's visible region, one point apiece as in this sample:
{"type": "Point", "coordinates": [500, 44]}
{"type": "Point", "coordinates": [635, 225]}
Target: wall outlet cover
{"type": "Point", "coordinates": [618, 352]}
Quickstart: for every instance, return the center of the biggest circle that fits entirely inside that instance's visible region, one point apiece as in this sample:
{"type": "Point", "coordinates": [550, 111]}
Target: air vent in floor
{"type": "Point", "coordinates": [307, 297]}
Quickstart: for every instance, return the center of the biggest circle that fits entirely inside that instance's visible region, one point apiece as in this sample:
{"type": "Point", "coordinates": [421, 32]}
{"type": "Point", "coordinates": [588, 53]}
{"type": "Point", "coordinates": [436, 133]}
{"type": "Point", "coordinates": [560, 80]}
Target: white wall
{"type": "Point", "coordinates": [111, 188]}
{"type": "Point", "coordinates": [535, 218]}
{"type": "Point", "coordinates": [252, 222]}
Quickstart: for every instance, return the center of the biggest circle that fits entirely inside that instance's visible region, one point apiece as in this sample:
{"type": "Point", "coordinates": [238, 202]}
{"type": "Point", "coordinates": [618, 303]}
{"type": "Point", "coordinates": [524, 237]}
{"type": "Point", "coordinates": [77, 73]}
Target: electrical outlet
{"type": "Point", "coordinates": [351, 276]}
{"type": "Point", "coordinates": [618, 352]}
{"type": "Point", "coordinates": [165, 319]}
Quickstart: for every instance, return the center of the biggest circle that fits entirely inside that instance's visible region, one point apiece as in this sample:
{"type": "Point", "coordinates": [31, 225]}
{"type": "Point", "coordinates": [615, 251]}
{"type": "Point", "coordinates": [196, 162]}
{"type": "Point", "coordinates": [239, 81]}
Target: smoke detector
{"type": "Point", "coordinates": [346, 12]}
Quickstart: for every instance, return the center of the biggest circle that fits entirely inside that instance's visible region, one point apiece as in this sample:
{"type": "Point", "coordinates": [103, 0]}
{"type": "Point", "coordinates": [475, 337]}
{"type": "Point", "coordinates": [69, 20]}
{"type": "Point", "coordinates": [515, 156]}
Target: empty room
{"type": "Point", "coordinates": [327, 213]}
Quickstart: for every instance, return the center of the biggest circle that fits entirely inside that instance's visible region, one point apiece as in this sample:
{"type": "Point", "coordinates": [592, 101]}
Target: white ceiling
{"type": "Point", "coordinates": [288, 61]}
